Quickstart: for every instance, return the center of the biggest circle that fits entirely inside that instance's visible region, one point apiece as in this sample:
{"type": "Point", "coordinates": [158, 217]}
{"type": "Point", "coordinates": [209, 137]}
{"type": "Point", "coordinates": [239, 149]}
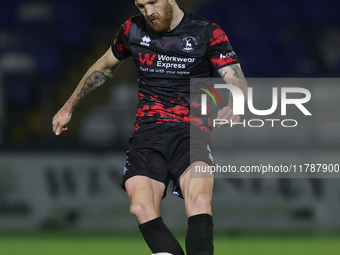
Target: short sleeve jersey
{"type": "Point", "coordinates": [166, 61]}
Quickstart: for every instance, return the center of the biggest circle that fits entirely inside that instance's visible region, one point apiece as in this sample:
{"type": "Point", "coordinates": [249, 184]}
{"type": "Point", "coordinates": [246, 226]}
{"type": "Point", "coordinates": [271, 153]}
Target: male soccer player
{"type": "Point", "coordinates": [168, 46]}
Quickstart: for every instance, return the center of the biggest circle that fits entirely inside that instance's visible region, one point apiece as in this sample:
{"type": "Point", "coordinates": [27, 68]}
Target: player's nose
{"type": "Point", "coordinates": [149, 11]}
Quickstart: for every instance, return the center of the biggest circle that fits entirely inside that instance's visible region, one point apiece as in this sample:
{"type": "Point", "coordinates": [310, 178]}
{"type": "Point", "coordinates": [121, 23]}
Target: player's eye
{"type": "Point", "coordinates": [140, 6]}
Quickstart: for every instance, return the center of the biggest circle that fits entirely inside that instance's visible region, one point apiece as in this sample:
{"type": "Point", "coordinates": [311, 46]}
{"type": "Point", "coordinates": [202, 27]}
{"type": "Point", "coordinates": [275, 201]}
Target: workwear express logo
{"type": "Point", "coordinates": [283, 99]}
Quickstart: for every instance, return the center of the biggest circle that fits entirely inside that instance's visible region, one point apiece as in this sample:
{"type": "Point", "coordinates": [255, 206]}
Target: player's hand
{"type": "Point", "coordinates": [60, 120]}
{"type": "Point", "coordinates": [226, 113]}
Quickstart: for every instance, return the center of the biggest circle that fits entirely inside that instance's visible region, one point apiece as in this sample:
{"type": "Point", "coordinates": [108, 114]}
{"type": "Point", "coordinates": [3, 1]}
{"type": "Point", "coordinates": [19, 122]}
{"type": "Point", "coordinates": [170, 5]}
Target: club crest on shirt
{"type": "Point", "coordinates": [145, 41]}
{"type": "Point", "coordinates": [188, 43]}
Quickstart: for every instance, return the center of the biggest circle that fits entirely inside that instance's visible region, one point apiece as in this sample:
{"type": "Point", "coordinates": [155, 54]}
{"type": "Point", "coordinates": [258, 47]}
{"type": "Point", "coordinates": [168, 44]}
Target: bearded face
{"type": "Point", "coordinates": [157, 13]}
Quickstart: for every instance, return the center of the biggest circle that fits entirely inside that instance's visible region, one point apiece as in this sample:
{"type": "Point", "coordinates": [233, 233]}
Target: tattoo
{"type": "Point", "coordinates": [237, 71]}
{"type": "Point", "coordinates": [222, 73]}
{"type": "Point", "coordinates": [94, 81]}
{"type": "Point", "coordinates": [232, 74]}
{"type": "Point", "coordinates": [235, 68]}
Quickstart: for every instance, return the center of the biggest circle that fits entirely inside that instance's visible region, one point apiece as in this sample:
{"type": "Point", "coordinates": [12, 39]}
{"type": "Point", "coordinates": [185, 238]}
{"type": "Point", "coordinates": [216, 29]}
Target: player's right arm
{"type": "Point", "coordinates": [95, 77]}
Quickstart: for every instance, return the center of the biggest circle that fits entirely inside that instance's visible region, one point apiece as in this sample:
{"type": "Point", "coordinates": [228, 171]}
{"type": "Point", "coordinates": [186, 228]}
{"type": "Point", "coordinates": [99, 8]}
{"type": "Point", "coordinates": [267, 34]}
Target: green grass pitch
{"type": "Point", "coordinates": [67, 243]}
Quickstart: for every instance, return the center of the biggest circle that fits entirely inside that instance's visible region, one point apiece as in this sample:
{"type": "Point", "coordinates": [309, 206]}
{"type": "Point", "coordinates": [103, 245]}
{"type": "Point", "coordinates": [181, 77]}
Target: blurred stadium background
{"type": "Point", "coordinates": [61, 195]}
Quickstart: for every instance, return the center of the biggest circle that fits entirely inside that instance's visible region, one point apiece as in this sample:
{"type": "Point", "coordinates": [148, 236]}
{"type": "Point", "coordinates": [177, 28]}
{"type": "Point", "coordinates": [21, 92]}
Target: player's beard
{"type": "Point", "coordinates": [161, 23]}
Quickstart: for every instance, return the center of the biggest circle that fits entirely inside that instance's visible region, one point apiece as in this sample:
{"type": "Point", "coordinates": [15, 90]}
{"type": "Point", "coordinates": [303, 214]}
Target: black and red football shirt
{"type": "Point", "coordinates": [166, 61]}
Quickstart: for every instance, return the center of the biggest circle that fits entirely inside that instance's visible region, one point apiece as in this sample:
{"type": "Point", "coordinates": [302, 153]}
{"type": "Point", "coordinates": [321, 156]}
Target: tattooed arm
{"type": "Point", "coordinates": [95, 77]}
{"type": "Point", "coordinates": [232, 74]}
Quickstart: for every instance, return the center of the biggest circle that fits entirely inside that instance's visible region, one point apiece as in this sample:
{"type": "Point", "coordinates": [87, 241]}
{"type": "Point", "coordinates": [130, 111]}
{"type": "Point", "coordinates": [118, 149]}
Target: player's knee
{"type": "Point", "coordinates": [142, 210]}
{"type": "Point", "coordinates": [200, 203]}
{"type": "Point", "coordinates": [137, 209]}
{"type": "Point", "coordinates": [202, 199]}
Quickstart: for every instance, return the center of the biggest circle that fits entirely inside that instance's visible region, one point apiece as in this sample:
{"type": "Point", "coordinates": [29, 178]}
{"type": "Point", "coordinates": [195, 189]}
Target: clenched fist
{"type": "Point", "coordinates": [60, 120]}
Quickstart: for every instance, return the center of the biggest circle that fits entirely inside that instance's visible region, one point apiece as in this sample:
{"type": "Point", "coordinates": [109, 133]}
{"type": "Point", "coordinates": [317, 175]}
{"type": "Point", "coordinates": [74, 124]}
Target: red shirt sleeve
{"type": "Point", "coordinates": [120, 47]}
{"type": "Point", "coordinates": [220, 51]}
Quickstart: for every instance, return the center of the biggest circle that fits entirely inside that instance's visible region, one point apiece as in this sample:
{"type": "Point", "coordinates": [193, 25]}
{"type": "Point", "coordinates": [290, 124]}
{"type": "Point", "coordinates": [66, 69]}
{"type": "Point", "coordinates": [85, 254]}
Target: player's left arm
{"type": "Point", "coordinates": [232, 74]}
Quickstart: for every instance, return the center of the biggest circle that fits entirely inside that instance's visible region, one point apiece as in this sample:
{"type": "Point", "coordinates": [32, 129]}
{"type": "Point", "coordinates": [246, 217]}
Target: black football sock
{"type": "Point", "coordinates": [159, 238]}
{"type": "Point", "coordinates": [199, 239]}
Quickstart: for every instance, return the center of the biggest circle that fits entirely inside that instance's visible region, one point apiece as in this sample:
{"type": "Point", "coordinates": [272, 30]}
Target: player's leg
{"type": "Point", "coordinates": [197, 193]}
{"type": "Point", "coordinates": [145, 195]}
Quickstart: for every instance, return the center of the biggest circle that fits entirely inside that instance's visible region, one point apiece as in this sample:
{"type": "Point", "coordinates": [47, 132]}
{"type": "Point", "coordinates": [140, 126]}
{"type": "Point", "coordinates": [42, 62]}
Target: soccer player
{"type": "Point", "coordinates": [169, 46]}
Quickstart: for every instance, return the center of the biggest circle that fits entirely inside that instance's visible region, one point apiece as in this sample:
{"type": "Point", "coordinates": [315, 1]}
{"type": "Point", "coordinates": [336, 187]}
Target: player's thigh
{"type": "Point", "coordinates": [197, 188]}
{"type": "Point", "coordinates": [145, 191]}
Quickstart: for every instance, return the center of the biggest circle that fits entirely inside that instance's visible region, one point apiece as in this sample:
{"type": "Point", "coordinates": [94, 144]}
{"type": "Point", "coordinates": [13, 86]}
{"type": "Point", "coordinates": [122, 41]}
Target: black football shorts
{"type": "Point", "coordinates": [164, 151]}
